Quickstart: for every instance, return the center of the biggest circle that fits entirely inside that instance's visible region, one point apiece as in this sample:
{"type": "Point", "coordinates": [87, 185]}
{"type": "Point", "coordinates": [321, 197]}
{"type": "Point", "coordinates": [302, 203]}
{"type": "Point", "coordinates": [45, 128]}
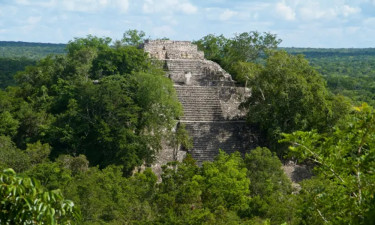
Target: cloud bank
{"type": "Point", "coordinates": [305, 23]}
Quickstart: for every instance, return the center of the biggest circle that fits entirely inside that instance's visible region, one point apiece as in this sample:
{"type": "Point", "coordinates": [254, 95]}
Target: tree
{"type": "Point", "coordinates": [246, 71]}
{"type": "Point", "coordinates": [90, 41]}
{"type": "Point", "coordinates": [11, 156]}
{"type": "Point", "coordinates": [99, 101]}
{"type": "Point", "coordinates": [214, 47]}
{"type": "Point", "coordinates": [180, 138]}
{"type": "Point", "coordinates": [249, 46]}
{"type": "Point", "coordinates": [288, 95]}
{"type": "Point", "coordinates": [244, 47]}
{"type": "Point", "coordinates": [213, 194]}
{"type": "Point", "coordinates": [38, 152]}
{"type": "Point", "coordinates": [8, 123]}
{"type": "Point", "coordinates": [124, 60]}
{"type": "Point", "coordinates": [133, 38]}
{"type": "Point", "coordinates": [107, 197]}
{"type": "Point", "coordinates": [270, 188]}
{"type": "Point", "coordinates": [23, 201]}
{"type": "Point", "coordinates": [342, 191]}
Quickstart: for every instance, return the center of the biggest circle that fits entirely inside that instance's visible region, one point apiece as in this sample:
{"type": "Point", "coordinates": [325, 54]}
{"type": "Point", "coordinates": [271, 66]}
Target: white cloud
{"type": "Point", "coordinates": [315, 10]}
{"type": "Point", "coordinates": [347, 10]}
{"type": "Point", "coordinates": [188, 8]}
{"type": "Point", "coordinates": [84, 5]}
{"type": "Point", "coordinates": [286, 12]}
{"type": "Point", "coordinates": [227, 14]}
{"type": "Point", "coordinates": [353, 29]}
{"type": "Point", "coordinates": [30, 24]}
{"type": "Point", "coordinates": [22, 2]}
{"type": "Point", "coordinates": [32, 20]}
{"type": "Point", "coordinates": [42, 3]}
{"type": "Point", "coordinates": [99, 32]}
{"type": "Point", "coordinates": [93, 31]}
{"type": "Point", "coordinates": [297, 22]}
{"type": "Point", "coordinates": [163, 31]}
{"type": "Point", "coordinates": [169, 6]}
{"type": "Point", "coordinates": [170, 19]}
{"type": "Point", "coordinates": [78, 5]}
{"type": "Point", "coordinates": [122, 4]}
{"type": "Point", "coordinates": [369, 22]}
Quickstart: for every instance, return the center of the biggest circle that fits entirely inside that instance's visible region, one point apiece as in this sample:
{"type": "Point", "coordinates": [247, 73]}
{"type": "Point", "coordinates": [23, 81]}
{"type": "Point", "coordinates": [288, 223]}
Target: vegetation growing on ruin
{"type": "Point", "coordinates": [76, 125]}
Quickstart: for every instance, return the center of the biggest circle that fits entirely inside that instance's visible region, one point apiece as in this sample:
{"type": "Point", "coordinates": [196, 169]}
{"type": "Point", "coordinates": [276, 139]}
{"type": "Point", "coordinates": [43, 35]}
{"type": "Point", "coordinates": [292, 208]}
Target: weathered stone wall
{"type": "Point", "coordinates": [230, 100]}
{"type": "Point", "coordinates": [197, 73]}
{"type": "Point", "coordinates": [210, 99]}
{"type": "Point", "coordinates": [166, 49]}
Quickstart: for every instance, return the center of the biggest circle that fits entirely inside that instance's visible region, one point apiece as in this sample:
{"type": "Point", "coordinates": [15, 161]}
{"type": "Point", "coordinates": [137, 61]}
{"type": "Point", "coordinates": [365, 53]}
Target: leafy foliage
{"type": "Point", "coordinates": [270, 188]}
{"type": "Point", "coordinates": [245, 47]}
{"type": "Point", "coordinates": [343, 190]}
{"type": "Point", "coordinates": [11, 156]}
{"type": "Point", "coordinates": [99, 101]}
{"type": "Point", "coordinates": [23, 201]}
{"type": "Point", "coordinates": [288, 95]}
{"type": "Point", "coordinates": [10, 66]}
{"type": "Point", "coordinates": [133, 38]}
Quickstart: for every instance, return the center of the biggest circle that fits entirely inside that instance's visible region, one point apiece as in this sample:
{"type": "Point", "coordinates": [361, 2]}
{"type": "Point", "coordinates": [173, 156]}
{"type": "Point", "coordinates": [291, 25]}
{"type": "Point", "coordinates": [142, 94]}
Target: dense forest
{"type": "Point", "coordinates": [16, 56]}
{"type": "Point", "coordinates": [349, 72]}
{"type": "Point", "coordinates": [76, 129]}
{"type": "Point", "coordinates": [11, 49]}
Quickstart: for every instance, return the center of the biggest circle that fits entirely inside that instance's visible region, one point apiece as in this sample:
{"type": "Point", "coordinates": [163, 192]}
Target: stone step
{"type": "Point", "coordinates": [195, 90]}
{"type": "Point", "coordinates": [207, 95]}
{"type": "Point", "coordinates": [205, 110]}
{"type": "Point", "coordinates": [202, 118]}
{"type": "Point", "coordinates": [201, 113]}
{"type": "Point", "coordinates": [209, 137]}
{"type": "Point", "coordinates": [207, 101]}
{"type": "Point", "coordinates": [200, 103]}
{"type": "Point", "coordinates": [204, 102]}
{"type": "Point", "coordinates": [198, 119]}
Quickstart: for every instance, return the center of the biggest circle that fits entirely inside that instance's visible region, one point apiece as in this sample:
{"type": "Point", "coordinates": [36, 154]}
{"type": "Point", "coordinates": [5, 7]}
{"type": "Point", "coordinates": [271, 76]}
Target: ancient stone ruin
{"type": "Point", "coordinates": [210, 99]}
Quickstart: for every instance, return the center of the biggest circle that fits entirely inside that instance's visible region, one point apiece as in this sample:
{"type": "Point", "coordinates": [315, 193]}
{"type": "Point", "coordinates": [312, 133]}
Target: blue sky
{"type": "Point", "coordinates": [299, 23]}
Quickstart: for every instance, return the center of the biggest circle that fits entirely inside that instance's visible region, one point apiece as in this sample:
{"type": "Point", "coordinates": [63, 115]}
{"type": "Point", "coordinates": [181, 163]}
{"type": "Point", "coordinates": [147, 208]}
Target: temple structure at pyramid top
{"type": "Point", "coordinates": [186, 65]}
{"type": "Point", "coordinates": [166, 49]}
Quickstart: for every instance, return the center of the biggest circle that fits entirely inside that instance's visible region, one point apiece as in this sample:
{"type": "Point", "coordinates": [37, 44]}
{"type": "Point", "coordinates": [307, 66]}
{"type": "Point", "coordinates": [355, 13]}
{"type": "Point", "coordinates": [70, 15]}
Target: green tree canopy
{"type": "Point", "coordinates": [288, 95]}
{"type": "Point", "coordinates": [99, 101]}
{"type": "Point", "coordinates": [133, 37]}
{"type": "Point", "coordinates": [244, 47]}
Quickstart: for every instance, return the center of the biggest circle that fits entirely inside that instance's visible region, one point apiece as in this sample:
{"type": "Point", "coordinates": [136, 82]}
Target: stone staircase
{"type": "Point", "coordinates": [200, 103]}
{"type": "Point", "coordinates": [209, 137]}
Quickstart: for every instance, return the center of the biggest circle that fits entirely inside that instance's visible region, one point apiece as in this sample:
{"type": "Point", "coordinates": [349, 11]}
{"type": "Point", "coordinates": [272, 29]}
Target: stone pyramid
{"type": "Point", "coordinates": [210, 99]}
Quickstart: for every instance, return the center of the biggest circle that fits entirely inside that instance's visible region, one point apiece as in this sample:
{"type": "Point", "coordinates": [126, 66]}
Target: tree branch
{"type": "Point", "coordinates": [319, 160]}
